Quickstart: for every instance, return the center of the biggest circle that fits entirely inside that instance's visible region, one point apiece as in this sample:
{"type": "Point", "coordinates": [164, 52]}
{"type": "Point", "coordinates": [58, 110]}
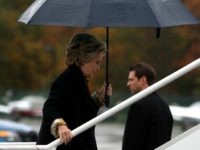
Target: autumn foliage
{"type": "Point", "coordinates": [32, 56]}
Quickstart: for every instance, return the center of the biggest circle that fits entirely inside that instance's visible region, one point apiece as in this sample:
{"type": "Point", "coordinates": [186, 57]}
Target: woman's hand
{"type": "Point", "coordinates": [64, 133]}
{"type": "Point", "coordinates": [101, 93]}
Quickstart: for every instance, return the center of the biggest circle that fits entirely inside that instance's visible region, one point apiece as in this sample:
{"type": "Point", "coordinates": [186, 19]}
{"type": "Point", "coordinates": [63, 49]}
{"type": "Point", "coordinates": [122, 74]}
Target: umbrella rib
{"type": "Point", "coordinates": [156, 16]}
{"type": "Point", "coordinates": [89, 14]}
{"type": "Point", "coordinates": [28, 14]}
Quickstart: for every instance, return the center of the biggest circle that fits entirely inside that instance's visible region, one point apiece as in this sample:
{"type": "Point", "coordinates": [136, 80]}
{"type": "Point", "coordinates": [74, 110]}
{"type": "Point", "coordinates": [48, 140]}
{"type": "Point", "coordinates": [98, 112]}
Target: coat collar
{"type": "Point", "coordinates": [77, 71]}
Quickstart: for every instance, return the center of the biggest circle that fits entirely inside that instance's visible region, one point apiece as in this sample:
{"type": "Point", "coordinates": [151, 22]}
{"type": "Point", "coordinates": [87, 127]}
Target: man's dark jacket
{"type": "Point", "coordinates": [149, 124]}
{"type": "Point", "coordinates": [70, 99]}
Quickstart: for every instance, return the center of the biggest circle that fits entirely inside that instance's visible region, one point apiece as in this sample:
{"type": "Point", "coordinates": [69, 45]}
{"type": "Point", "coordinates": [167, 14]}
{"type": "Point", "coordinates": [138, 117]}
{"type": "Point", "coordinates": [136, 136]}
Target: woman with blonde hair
{"type": "Point", "coordinates": [70, 103]}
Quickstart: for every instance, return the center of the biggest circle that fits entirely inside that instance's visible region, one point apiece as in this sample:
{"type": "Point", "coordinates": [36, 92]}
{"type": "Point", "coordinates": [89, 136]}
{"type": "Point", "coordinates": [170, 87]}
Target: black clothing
{"type": "Point", "coordinates": [149, 124]}
{"type": "Point", "coordinates": [70, 99]}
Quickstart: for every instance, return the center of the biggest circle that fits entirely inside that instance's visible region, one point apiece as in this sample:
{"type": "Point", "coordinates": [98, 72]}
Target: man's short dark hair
{"type": "Point", "coordinates": [144, 69]}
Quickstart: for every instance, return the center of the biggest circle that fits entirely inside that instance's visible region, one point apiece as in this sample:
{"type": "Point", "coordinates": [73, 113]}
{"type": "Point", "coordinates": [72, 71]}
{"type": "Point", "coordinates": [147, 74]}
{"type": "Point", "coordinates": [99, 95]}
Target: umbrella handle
{"type": "Point", "coordinates": [107, 100]}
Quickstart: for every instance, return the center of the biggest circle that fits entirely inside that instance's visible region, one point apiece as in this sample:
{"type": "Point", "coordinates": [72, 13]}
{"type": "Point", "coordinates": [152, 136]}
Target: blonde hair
{"type": "Point", "coordinates": [82, 48]}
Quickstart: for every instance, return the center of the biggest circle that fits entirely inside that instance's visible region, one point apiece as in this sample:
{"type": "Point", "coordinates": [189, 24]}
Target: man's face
{"type": "Point", "coordinates": [134, 84]}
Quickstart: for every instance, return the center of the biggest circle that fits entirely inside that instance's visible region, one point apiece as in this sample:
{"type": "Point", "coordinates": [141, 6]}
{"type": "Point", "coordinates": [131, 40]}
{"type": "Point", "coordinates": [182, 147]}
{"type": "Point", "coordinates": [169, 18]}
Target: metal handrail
{"type": "Point", "coordinates": [111, 111]}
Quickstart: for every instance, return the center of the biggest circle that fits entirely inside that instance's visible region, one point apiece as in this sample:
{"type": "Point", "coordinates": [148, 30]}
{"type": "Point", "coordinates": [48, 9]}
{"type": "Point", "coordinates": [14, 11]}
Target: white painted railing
{"type": "Point", "coordinates": [108, 113]}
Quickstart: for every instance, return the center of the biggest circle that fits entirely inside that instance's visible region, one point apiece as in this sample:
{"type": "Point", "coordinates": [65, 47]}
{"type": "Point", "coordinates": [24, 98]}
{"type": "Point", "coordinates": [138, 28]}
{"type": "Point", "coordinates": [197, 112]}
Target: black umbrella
{"type": "Point", "coordinates": [108, 13]}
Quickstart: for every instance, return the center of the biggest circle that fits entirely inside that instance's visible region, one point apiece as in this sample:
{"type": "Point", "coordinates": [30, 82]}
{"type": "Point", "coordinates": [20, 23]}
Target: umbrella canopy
{"type": "Point", "coordinates": [108, 13]}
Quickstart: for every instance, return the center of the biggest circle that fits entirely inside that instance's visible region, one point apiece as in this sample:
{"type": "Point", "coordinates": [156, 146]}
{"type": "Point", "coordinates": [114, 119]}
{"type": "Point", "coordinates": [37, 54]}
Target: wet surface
{"type": "Point", "coordinates": [108, 135]}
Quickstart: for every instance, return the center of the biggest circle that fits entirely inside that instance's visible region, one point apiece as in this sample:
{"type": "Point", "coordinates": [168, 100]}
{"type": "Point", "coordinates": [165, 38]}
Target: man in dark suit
{"type": "Point", "coordinates": [149, 123]}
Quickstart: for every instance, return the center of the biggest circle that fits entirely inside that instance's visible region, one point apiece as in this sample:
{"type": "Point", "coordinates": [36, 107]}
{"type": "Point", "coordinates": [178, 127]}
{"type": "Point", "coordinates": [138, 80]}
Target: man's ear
{"type": "Point", "coordinates": [144, 79]}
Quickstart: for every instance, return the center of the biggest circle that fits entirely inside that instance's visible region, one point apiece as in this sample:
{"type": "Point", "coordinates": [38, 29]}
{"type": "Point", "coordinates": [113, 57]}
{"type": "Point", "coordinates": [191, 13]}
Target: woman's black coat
{"type": "Point", "coordinates": [149, 124]}
{"type": "Point", "coordinates": [70, 99]}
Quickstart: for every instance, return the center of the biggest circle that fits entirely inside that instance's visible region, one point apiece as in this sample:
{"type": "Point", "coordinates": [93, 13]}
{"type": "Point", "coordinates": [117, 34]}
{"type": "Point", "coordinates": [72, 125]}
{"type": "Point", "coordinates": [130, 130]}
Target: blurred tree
{"type": "Point", "coordinates": [32, 56]}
